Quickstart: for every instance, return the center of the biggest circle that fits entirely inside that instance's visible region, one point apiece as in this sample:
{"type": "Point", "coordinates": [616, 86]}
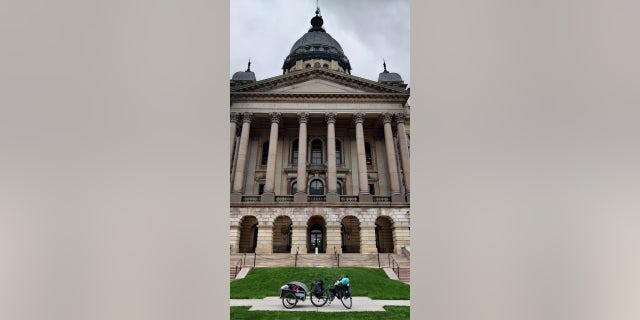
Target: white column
{"type": "Point", "coordinates": [332, 188]}
{"type": "Point", "coordinates": [301, 189]}
{"type": "Point", "coordinates": [404, 150]}
{"type": "Point", "coordinates": [391, 158]}
{"type": "Point", "coordinates": [234, 127]}
{"type": "Point", "coordinates": [238, 181]}
{"type": "Point", "coordinates": [363, 179]}
{"type": "Point", "coordinates": [268, 194]}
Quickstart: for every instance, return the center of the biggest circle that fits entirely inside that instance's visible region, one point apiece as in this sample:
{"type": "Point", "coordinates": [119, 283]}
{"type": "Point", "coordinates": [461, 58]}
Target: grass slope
{"type": "Point", "coordinates": [392, 313]}
{"type": "Point", "coordinates": [368, 282]}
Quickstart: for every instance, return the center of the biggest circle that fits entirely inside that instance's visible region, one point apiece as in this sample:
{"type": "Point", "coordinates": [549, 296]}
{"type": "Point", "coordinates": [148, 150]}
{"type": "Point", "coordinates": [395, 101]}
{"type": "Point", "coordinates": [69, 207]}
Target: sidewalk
{"type": "Point", "coordinates": [359, 304]}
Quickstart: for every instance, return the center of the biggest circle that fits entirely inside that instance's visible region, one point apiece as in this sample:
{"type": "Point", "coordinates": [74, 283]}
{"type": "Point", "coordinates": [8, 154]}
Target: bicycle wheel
{"type": "Point", "coordinates": [346, 298]}
{"type": "Point", "coordinates": [289, 300]}
{"type": "Point", "coordinates": [346, 302]}
{"type": "Point", "coordinates": [318, 301]}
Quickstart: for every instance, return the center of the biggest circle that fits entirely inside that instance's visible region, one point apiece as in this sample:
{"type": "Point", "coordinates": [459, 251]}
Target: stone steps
{"type": "Point", "coordinates": [405, 275]}
{"type": "Point", "coordinates": [323, 260]}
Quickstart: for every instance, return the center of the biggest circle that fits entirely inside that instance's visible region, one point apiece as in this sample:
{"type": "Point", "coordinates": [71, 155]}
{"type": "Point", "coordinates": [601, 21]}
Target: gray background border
{"type": "Point", "coordinates": [113, 204]}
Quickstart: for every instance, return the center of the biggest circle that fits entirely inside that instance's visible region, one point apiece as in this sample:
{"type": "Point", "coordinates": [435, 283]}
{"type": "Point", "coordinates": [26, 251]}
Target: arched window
{"type": "Point", "coordinates": [265, 153]}
{"type": "Point", "coordinates": [316, 152]}
{"type": "Point", "coordinates": [308, 66]}
{"type": "Point", "coordinates": [294, 187]}
{"type": "Point", "coordinates": [338, 152]}
{"type": "Point", "coordinates": [294, 152]}
{"type": "Point", "coordinates": [326, 66]}
{"type": "Point", "coordinates": [317, 64]}
{"type": "Point", "coordinates": [316, 187]}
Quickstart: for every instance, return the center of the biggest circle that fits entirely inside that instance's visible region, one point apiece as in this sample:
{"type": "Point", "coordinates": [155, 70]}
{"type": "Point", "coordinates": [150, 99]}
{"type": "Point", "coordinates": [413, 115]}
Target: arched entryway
{"type": "Point", "coordinates": [384, 234]}
{"type": "Point", "coordinates": [248, 234]}
{"type": "Point", "coordinates": [282, 235]}
{"type": "Point", "coordinates": [316, 234]}
{"type": "Point", "coordinates": [350, 232]}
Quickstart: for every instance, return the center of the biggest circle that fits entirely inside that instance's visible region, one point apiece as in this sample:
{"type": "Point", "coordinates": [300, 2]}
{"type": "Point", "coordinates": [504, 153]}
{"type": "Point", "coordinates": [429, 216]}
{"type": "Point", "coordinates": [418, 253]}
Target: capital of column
{"type": "Point", "coordinates": [330, 117]}
{"type": "Point", "coordinates": [358, 117]}
{"type": "Point", "coordinates": [400, 117]}
{"type": "Point", "coordinates": [275, 117]}
{"type": "Point", "coordinates": [386, 117]}
{"type": "Point", "coordinates": [234, 116]}
{"type": "Point", "coordinates": [303, 117]}
{"type": "Point", "coordinates": [247, 117]}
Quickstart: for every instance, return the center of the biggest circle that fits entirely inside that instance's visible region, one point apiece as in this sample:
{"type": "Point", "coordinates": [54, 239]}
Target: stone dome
{"type": "Point", "coordinates": [316, 44]}
{"type": "Point", "coordinates": [386, 76]}
{"type": "Point", "coordinates": [245, 76]}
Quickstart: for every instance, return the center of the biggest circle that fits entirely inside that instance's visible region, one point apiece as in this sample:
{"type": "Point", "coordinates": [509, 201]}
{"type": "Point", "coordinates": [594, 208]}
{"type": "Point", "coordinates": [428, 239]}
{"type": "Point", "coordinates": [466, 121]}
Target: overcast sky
{"type": "Point", "coordinates": [368, 31]}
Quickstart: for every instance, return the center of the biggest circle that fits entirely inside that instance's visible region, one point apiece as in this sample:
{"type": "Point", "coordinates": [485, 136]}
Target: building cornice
{"type": "Point", "coordinates": [318, 204]}
{"type": "Point", "coordinates": [349, 97]}
{"type": "Point", "coordinates": [318, 73]}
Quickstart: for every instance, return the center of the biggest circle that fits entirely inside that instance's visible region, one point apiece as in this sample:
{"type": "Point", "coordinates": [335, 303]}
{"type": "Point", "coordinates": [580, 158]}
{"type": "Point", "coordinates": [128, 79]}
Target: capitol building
{"type": "Point", "coordinates": [319, 157]}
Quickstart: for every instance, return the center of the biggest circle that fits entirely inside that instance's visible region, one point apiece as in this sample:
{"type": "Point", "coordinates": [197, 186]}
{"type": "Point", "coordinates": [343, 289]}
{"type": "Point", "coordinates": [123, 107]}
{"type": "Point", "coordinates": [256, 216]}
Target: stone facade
{"type": "Point", "coordinates": [319, 159]}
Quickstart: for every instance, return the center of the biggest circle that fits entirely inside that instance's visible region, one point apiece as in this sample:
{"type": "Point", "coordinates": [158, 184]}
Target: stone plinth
{"type": "Point", "coordinates": [299, 239]}
{"type": "Point", "coordinates": [265, 239]}
{"type": "Point", "coordinates": [365, 197]}
{"type": "Point", "coordinates": [268, 197]}
{"type": "Point", "coordinates": [368, 240]}
{"type": "Point", "coordinates": [334, 239]}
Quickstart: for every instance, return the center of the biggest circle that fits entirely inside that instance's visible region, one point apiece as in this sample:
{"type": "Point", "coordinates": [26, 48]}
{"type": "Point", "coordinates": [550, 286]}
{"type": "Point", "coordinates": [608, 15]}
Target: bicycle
{"type": "Point", "coordinates": [330, 292]}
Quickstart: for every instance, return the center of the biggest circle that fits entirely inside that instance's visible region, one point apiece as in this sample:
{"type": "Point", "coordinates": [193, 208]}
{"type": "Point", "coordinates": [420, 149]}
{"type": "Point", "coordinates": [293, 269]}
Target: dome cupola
{"type": "Point", "coordinates": [316, 48]}
{"type": "Point", "coordinates": [244, 76]}
{"type": "Point", "coordinates": [389, 77]}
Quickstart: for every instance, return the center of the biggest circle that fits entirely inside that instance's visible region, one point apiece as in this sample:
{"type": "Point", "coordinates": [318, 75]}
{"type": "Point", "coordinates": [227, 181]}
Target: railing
{"type": "Point", "coordinates": [382, 199]}
{"type": "Point", "coordinates": [348, 198]}
{"type": "Point", "coordinates": [317, 198]}
{"type": "Point", "coordinates": [250, 198]}
{"type": "Point", "coordinates": [239, 265]}
{"type": "Point", "coordinates": [395, 266]}
{"type": "Point", "coordinates": [284, 198]}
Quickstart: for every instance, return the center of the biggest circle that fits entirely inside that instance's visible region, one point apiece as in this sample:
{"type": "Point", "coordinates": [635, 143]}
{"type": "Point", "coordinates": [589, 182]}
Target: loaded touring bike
{"type": "Point", "coordinates": [322, 294]}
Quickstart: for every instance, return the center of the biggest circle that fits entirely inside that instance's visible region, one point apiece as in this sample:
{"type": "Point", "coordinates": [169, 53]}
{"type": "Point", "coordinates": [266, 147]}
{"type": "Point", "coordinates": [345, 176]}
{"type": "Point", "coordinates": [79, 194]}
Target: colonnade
{"type": "Point", "coordinates": [330, 118]}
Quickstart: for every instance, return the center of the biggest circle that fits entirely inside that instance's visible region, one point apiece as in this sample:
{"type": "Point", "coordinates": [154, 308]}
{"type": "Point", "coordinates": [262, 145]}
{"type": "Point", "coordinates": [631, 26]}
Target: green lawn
{"type": "Point", "coordinates": [369, 282]}
{"type": "Point", "coordinates": [392, 313]}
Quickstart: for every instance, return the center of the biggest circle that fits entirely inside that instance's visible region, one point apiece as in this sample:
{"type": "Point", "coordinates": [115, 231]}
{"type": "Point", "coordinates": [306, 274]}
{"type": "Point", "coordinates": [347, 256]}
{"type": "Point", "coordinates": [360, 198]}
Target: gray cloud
{"type": "Point", "coordinates": [368, 31]}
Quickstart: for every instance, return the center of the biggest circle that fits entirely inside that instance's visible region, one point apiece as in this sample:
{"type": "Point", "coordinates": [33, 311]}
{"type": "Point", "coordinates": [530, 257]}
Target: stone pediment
{"type": "Point", "coordinates": [319, 86]}
{"type": "Point", "coordinates": [319, 81]}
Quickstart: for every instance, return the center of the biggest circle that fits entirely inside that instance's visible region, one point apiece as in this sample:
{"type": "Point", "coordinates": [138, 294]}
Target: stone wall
{"type": "Point", "coordinates": [361, 224]}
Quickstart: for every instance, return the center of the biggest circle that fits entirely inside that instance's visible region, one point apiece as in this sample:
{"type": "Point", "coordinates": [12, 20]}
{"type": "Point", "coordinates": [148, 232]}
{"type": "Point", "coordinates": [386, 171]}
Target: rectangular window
{"type": "Point", "coordinates": [372, 189]}
{"type": "Point", "coordinates": [261, 188]}
{"type": "Point", "coordinates": [367, 151]}
{"type": "Point", "coordinates": [316, 156]}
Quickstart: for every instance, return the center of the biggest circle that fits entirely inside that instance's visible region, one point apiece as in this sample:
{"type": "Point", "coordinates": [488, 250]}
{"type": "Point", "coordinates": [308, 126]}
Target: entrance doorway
{"type": "Point", "coordinates": [316, 234]}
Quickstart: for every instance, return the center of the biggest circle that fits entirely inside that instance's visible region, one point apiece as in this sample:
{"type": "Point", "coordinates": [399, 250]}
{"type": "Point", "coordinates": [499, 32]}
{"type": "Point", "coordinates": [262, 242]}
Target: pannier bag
{"type": "Point", "coordinates": [317, 288]}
